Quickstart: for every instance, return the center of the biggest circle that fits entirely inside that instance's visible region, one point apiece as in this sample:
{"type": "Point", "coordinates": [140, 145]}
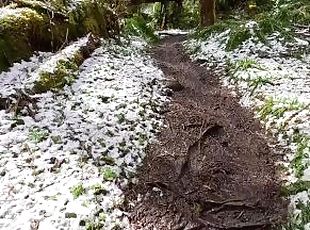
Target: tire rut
{"type": "Point", "coordinates": [211, 167]}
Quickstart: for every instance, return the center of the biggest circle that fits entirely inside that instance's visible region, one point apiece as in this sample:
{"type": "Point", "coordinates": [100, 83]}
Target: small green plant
{"type": "Point", "coordinates": [269, 24]}
{"type": "Point", "coordinates": [109, 174]}
{"type": "Point", "coordinates": [237, 36]}
{"type": "Point", "coordinates": [295, 188]}
{"type": "Point", "coordinates": [271, 106]}
{"type": "Point", "coordinates": [241, 65]}
{"type": "Point", "coordinates": [259, 82]}
{"type": "Point", "coordinates": [93, 226]}
{"type": "Point", "coordinates": [266, 109]}
{"type": "Point", "coordinates": [246, 64]}
{"type": "Point", "coordinates": [299, 220]}
{"type": "Point", "coordinates": [303, 142]}
{"type": "Point", "coordinates": [305, 212]}
{"type": "Point", "coordinates": [99, 189]}
{"type": "Point", "coordinates": [37, 135]}
{"type": "Point", "coordinates": [120, 118]}
{"type": "Point", "coordinates": [77, 190]}
{"type": "Point", "coordinates": [218, 27]}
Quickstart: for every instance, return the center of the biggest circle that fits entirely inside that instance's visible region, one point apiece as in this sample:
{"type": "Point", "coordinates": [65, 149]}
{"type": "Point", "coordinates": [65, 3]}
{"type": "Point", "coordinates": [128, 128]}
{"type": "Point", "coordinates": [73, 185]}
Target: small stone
{"type": "Point", "coordinates": [2, 173]}
{"type": "Point", "coordinates": [37, 172]}
{"type": "Point", "coordinates": [34, 224]}
{"type": "Point", "coordinates": [42, 212]}
{"type": "Point", "coordinates": [52, 160]}
{"type": "Point", "coordinates": [82, 223]}
{"type": "Point", "coordinates": [66, 202]}
{"type": "Point", "coordinates": [28, 160]}
{"type": "Point", "coordinates": [70, 215]}
{"type": "Point", "coordinates": [174, 85]}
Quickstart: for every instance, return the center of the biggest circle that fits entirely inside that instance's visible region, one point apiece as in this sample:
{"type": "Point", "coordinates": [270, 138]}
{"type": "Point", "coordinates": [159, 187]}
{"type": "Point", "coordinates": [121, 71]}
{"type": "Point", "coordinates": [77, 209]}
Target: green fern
{"type": "Point", "coordinates": [137, 26]}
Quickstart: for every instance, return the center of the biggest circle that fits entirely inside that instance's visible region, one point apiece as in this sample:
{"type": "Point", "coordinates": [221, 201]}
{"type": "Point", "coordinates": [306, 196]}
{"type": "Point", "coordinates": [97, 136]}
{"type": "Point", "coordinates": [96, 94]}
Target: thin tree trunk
{"type": "Point", "coordinates": [164, 14]}
{"type": "Point", "coordinates": [207, 12]}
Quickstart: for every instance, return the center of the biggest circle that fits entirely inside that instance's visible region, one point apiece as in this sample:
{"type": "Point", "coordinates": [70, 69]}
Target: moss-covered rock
{"type": "Point", "coordinates": [47, 27]}
{"type": "Point", "coordinates": [16, 31]}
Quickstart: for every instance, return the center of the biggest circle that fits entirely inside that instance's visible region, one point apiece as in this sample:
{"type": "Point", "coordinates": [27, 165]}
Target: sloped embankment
{"type": "Point", "coordinates": [67, 153]}
{"type": "Point", "coordinates": [211, 167]}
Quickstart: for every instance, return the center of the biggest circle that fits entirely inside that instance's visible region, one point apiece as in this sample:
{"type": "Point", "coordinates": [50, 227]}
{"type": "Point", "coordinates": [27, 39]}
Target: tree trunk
{"type": "Point", "coordinates": [164, 15]}
{"type": "Point", "coordinates": [207, 12]}
{"type": "Point", "coordinates": [175, 16]}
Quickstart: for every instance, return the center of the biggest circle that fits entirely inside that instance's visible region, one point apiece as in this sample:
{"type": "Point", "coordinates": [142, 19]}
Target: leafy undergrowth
{"type": "Point", "coordinates": [138, 26]}
{"type": "Point", "coordinates": [267, 60]}
{"type": "Point", "coordinates": [67, 154]}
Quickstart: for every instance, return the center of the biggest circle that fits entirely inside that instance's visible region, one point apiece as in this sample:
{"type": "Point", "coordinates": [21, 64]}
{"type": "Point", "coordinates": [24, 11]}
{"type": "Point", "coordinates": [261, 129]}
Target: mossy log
{"type": "Point", "coordinates": [46, 28]}
{"type": "Point", "coordinates": [17, 29]}
{"type": "Point", "coordinates": [53, 7]}
{"type": "Point", "coordinates": [62, 68]}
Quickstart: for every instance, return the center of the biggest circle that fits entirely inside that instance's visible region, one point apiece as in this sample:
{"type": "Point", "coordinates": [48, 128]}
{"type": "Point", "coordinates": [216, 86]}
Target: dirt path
{"type": "Point", "coordinates": [212, 167]}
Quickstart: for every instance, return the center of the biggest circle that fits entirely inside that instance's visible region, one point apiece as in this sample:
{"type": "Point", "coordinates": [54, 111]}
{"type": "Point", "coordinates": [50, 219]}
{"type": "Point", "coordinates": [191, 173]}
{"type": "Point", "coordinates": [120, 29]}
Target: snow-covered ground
{"type": "Point", "coordinates": [273, 78]}
{"type": "Point", "coordinates": [65, 165]}
{"type": "Point", "coordinates": [9, 12]}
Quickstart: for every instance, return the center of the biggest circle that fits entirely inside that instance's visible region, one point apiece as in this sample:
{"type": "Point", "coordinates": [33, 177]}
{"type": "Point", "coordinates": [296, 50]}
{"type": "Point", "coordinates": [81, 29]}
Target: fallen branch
{"type": "Point", "coordinates": [212, 222]}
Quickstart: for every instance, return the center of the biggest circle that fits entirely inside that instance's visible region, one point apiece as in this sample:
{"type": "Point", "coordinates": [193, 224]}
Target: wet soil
{"type": "Point", "coordinates": [211, 167]}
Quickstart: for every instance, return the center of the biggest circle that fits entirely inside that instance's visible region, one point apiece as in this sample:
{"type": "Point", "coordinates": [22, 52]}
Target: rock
{"type": "Point", "coordinates": [34, 225]}
{"type": "Point", "coordinates": [174, 85]}
{"type": "Point", "coordinates": [37, 172]}
{"type": "Point", "coordinates": [2, 173]}
{"type": "Point", "coordinates": [70, 215]}
{"type": "Point", "coordinates": [42, 212]}
{"type": "Point", "coordinates": [82, 223]}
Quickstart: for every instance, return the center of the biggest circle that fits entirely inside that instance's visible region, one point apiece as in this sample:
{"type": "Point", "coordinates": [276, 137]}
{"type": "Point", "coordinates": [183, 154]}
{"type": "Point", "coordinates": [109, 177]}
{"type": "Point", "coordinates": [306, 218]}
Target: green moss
{"type": "Point", "coordinates": [42, 5]}
{"type": "Point", "coordinates": [78, 190]}
{"type": "Point", "coordinates": [91, 17]}
{"type": "Point", "coordinates": [64, 74]}
{"type": "Point", "coordinates": [16, 36]}
{"type": "Point", "coordinates": [30, 30]}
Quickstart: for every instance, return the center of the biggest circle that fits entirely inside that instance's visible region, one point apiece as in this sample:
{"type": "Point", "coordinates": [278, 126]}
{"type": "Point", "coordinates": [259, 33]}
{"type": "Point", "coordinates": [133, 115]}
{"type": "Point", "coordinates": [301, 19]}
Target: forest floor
{"type": "Point", "coordinates": [69, 156]}
{"type": "Point", "coordinates": [212, 167]}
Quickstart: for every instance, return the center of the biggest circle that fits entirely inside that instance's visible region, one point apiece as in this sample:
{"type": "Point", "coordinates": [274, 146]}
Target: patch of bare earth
{"type": "Point", "coordinates": [211, 167]}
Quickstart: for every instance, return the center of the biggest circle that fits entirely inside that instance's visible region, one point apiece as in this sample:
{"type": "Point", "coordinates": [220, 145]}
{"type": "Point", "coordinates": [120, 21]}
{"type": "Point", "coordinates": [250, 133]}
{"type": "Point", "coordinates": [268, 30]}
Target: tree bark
{"type": "Point", "coordinates": [207, 12]}
{"type": "Point", "coordinates": [164, 15]}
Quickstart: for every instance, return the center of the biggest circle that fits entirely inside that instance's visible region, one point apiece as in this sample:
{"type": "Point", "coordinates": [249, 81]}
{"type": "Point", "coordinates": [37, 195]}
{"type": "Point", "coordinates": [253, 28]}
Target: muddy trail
{"type": "Point", "coordinates": [211, 167]}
